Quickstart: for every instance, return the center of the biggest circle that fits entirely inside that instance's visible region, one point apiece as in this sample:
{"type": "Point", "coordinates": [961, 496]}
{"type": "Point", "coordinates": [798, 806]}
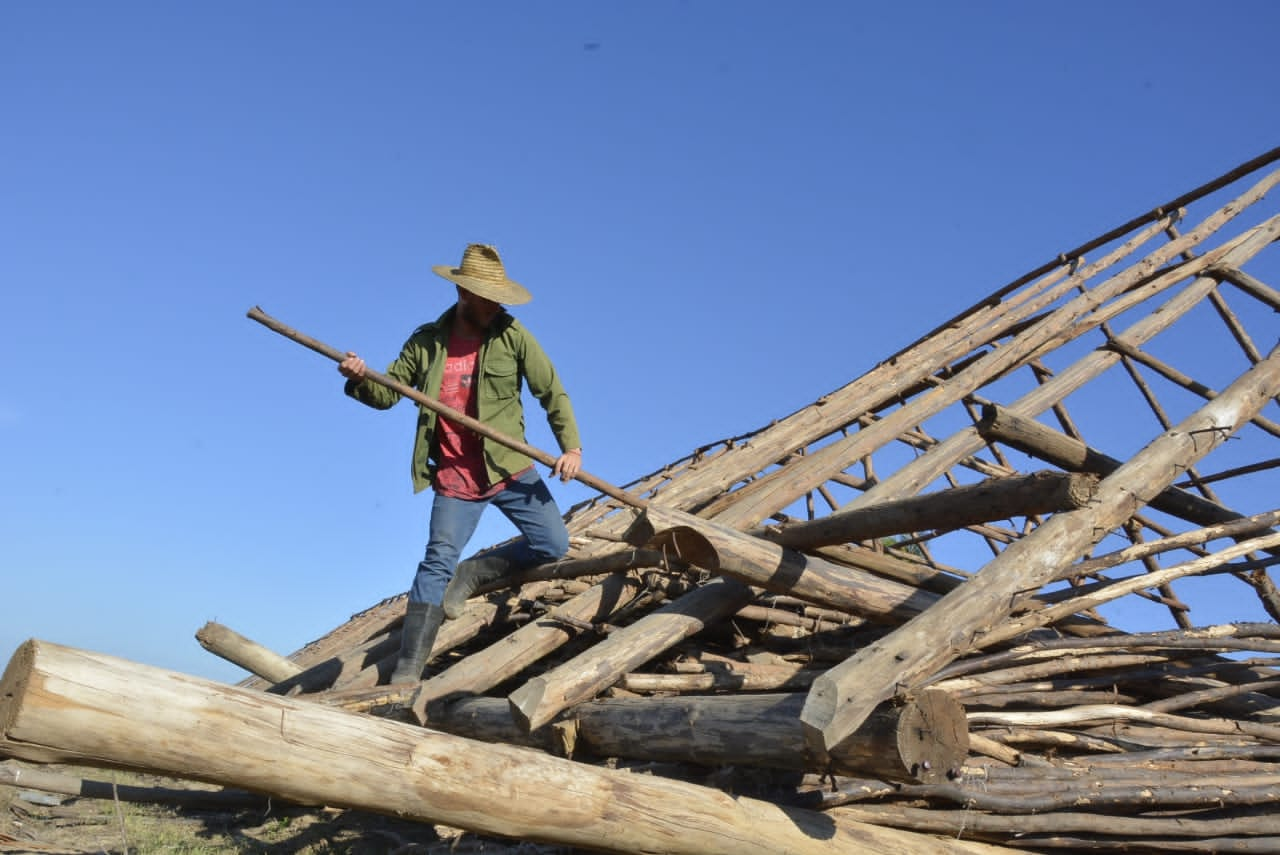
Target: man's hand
{"type": "Point", "coordinates": [568, 464]}
{"type": "Point", "coordinates": [352, 367]}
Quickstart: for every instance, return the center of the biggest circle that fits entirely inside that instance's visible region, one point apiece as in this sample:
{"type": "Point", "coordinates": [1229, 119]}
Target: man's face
{"type": "Point", "coordinates": [476, 310]}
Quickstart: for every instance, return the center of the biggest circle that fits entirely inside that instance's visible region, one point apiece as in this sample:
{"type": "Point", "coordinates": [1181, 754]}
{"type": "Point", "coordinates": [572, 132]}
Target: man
{"type": "Point", "coordinates": [474, 358]}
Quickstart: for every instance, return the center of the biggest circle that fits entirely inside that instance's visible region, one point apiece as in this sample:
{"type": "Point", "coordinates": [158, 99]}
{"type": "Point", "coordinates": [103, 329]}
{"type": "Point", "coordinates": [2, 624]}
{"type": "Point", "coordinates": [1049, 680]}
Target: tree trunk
{"type": "Point", "coordinates": [56, 700]}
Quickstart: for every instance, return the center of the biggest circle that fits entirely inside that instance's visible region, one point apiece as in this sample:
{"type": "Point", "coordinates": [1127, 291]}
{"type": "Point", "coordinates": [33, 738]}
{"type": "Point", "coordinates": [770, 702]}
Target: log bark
{"type": "Point", "coordinates": [111, 712]}
{"type": "Point", "coordinates": [249, 655]}
{"type": "Point", "coordinates": [973, 504]}
{"type": "Point", "coordinates": [842, 698]}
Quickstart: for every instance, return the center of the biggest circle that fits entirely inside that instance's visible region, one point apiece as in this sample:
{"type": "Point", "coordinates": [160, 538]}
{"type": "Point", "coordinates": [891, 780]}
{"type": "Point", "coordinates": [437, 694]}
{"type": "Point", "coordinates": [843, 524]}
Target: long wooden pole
{"type": "Point", "coordinates": [442, 409]}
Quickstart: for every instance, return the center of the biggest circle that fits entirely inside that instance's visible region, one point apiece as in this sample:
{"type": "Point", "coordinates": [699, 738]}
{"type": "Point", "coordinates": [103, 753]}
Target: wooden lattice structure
{"type": "Point", "coordinates": [1023, 511]}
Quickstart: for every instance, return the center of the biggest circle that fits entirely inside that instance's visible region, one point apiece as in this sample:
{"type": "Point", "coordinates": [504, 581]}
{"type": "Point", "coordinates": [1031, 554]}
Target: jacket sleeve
{"type": "Point", "coordinates": [406, 369]}
{"type": "Point", "coordinates": [544, 384]}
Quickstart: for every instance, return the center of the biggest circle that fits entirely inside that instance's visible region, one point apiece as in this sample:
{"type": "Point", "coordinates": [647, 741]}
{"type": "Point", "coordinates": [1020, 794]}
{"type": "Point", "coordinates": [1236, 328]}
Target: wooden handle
{"type": "Point", "coordinates": [463, 419]}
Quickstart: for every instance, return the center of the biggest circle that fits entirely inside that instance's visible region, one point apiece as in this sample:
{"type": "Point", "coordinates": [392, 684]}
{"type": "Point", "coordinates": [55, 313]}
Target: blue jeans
{"type": "Point", "coordinates": [526, 502]}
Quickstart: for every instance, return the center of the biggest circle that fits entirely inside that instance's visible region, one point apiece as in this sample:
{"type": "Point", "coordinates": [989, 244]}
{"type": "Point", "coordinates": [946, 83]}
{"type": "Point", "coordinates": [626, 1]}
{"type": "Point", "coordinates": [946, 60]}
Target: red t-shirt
{"type": "Point", "coordinates": [461, 471]}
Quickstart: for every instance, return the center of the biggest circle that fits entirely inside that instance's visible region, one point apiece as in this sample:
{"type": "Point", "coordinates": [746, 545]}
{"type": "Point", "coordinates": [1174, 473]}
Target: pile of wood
{"type": "Point", "coordinates": [952, 606]}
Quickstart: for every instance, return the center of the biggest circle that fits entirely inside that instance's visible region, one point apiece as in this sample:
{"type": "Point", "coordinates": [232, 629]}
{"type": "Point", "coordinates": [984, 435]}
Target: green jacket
{"type": "Point", "coordinates": [508, 355]}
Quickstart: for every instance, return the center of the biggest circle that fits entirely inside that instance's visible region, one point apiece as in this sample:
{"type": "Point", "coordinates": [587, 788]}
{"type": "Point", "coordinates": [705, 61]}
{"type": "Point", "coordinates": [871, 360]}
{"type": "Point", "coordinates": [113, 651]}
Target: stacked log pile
{"type": "Point", "coordinates": [954, 605]}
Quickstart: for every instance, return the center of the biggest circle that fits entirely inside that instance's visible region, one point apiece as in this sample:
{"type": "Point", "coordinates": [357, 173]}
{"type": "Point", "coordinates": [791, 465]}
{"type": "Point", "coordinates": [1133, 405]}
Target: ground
{"type": "Point", "coordinates": [33, 821]}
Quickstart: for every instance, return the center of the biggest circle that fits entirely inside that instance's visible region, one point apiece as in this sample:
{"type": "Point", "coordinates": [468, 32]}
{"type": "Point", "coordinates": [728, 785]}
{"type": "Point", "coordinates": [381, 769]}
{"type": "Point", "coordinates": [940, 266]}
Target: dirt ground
{"type": "Point", "coordinates": [36, 821]}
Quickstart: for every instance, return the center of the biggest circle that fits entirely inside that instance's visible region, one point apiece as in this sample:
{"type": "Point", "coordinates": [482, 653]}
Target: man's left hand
{"type": "Point", "coordinates": [568, 464]}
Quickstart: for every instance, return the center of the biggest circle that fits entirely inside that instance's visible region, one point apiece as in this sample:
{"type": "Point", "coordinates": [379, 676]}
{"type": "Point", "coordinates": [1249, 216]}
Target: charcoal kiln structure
{"type": "Point", "coordinates": [1008, 589]}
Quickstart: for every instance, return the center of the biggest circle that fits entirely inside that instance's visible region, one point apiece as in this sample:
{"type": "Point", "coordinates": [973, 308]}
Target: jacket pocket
{"type": "Point", "coordinates": [501, 377]}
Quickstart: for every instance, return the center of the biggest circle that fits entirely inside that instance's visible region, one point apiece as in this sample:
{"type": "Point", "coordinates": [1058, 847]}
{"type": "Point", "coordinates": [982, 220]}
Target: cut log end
{"type": "Point", "coordinates": [12, 684]}
{"type": "Point", "coordinates": [933, 736]}
{"type": "Point", "coordinates": [525, 704]}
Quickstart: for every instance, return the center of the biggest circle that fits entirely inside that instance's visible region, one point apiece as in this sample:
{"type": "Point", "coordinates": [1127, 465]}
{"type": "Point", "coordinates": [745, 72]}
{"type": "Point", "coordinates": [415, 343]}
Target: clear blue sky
{"type": "Point", "coordinates": [724, 210]}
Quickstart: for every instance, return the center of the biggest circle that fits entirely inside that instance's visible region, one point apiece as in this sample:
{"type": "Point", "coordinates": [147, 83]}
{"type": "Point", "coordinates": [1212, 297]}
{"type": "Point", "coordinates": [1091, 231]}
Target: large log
{"type": "Point", "coordinates": [842, 698]}
{"type": "Point", "coordinates": [923, 739]}
{"type": "Point", "coordinates": [971, 504]}
{"type": "Point", "coordinates": [106, 711]}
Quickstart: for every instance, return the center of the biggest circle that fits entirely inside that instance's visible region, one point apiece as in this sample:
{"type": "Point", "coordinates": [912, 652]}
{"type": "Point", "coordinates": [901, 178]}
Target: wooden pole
{"type": "Point", "coordinates": [999, 424]}
{"type": "Point", "coordinates": [448, 412]}
{"type": "Point", "coordinates": [776, 568]}
{"type": "Point", "coordinates": [842, 698]}
{"type": "Point", "coordinates": [971, 504]}
{"type": "Point", "coordinates": [249, 655]}
{"type": "Point", "coordinates": [544, 697]}
{"type": "Point", "coordinates": [105, 711]}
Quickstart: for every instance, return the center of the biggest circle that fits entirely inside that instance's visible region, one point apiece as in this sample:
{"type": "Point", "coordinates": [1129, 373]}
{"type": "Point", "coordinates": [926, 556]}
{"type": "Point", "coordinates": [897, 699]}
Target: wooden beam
{"type": "Point", "coordinates": [1031, 437]}
{"type": "Point", "coordinates": [776, 568]}
{"type": "Point", "coordinates": [972, 504]}
{"type": "Point", "coordinates": [580, 679]}
{"type": "Point", "coordinates": [842, 698]}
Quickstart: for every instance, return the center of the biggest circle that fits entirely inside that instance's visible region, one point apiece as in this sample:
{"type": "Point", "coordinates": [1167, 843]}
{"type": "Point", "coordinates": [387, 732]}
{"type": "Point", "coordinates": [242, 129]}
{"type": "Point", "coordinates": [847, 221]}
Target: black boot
{"type": "Point", "coordinates": [421, 623]}
{"type": "Point", "coordinates": [470, 575]}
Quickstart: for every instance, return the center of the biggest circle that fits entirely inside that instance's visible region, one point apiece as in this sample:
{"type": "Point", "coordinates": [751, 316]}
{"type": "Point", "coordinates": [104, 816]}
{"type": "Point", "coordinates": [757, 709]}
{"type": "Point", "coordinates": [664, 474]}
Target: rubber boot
{"type": "Point", "coordinates": [470, 576]}
{"type": "Point", "coordinates": [421, 623]}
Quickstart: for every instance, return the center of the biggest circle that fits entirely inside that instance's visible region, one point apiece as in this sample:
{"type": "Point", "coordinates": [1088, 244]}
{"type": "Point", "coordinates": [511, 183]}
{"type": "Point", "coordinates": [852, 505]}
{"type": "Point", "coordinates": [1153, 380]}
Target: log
{"type": "Point", "coordinates": [106, 711]}
{"type": "Point", "coordinates": [581, 678]}
{"type": "Point", "coordinates": [972, 504]}
{"type": "Point", "coordinates": [998, 424]}
{"type": "Point", "coordinates": [841, 699]}
{"type": "Point", "coordinates": [923, 739]}
{"type": "Point", "coordinates": [759, 562]}
{"type": "Point", "coordinates": [249, 655]}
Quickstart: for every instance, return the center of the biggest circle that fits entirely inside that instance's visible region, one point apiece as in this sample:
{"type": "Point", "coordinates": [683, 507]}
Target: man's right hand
{"type": "Point", "coordinates": [352, 367]}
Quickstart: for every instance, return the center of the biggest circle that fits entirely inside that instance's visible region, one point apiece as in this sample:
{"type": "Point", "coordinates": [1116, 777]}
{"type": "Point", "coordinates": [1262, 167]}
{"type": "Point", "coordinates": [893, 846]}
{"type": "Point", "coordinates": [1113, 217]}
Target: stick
{"type": "Point", "coordinates": [448, 412]}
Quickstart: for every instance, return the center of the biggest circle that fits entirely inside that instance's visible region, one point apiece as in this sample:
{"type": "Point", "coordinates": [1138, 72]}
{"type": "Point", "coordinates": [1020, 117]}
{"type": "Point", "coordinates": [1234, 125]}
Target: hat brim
{"type": "Point", "coordinates": [507, 292]}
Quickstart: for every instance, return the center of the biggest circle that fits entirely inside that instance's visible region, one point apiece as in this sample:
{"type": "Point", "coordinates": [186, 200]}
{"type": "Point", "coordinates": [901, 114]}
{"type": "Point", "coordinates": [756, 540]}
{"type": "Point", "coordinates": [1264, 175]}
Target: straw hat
{"type": "Point", "coordinates": [481, 273]}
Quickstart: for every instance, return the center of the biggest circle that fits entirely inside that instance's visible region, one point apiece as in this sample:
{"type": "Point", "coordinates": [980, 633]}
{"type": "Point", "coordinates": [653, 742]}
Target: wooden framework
{"type": "Point", "coordinates": [1046, 513]}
